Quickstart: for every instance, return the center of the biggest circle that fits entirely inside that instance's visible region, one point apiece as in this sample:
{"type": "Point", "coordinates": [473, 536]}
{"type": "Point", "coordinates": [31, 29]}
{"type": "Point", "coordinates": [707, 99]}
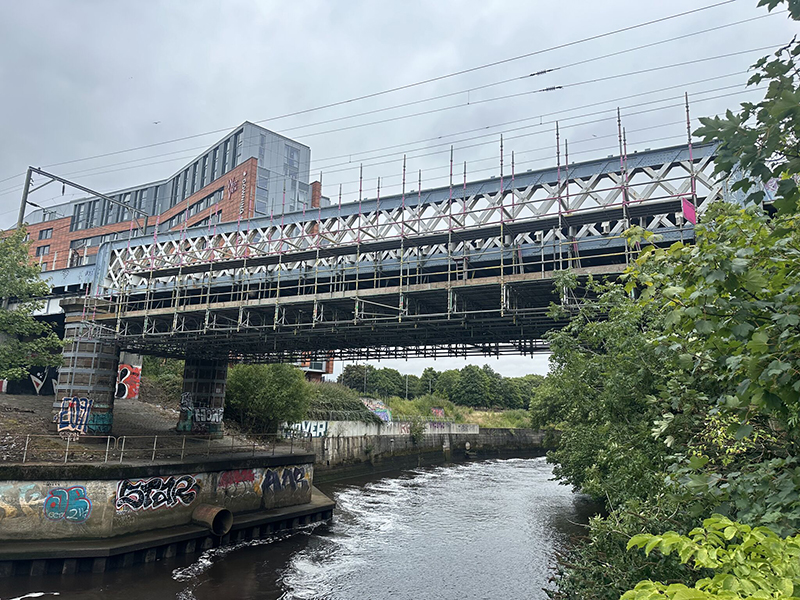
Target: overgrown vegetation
{"type": "Point", "coordinates": [333, 401]}
{"type": "Point", "coordinates": [262, 397]}
{"type": "Point", "coordinates": [24, 341]}
{"type": "Point", "coordinates": [677, 390]}
{"type": "Point", "coordinates": [161, 381]}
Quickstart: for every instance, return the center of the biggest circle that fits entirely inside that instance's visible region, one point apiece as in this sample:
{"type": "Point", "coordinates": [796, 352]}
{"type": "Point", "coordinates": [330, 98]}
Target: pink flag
{"type": "Point", "coordinates": [689, 212]}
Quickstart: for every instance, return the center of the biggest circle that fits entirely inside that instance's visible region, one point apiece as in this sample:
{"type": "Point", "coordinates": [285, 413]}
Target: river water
{"type": "Point", "coordinates": [480, 530]}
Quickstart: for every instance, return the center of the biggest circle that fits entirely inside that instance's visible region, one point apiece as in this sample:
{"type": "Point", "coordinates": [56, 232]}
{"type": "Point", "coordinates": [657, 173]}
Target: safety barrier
{"type": "Point", "coordinates": [34, 448]}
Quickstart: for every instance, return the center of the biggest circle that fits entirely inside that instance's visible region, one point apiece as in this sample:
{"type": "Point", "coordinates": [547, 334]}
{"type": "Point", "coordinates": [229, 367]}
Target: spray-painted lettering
{"type": "Point", "coordinates": [156, 493]}
{"type": "Point", "coordinates": [312, 428]}
{"type": "Point", "coordinates": [287, 477]}
{"type": "Point", "coordinates": [74, 415]}
{"type": "Point", "coordinates": [204, 414]}
{"type": "Point", "coordinates": [70, 504]}
{"type": "Point", "coordinates": [234, 478]}
{"type": "Point", "coordinates": [128, 379]}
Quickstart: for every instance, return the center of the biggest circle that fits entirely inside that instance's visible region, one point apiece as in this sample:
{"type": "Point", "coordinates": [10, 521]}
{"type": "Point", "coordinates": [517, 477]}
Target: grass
{"type": "Point", "coordinates": [422, 405]}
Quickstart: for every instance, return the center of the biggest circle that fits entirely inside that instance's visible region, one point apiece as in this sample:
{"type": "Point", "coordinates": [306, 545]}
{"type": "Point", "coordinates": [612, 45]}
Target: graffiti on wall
{"type": "Point", "coordinates": [240, 481]}
{"type": "Point", "coordinates": [438, 412]}
{"type": "Point", "coordinates": [73, 417]}
{"type": "Point", "coordinates": [404, 428]}
{"type": "Point", "coordinates": [312, 428]}
{"type": "Point", "coordinates": [379, 408]}
{"type": "Point", "coordinates": [128, 379]}
{"type": "Point", "coordinates": [40, 379]}
{"type": "Point", "coordinates": [284, 478]}
{"type": "Point", "coordinates": [70, 504]}
{"type": "Point", "coordinates": [157, 492]}
{"type": "Point", "coordinates": [19, 501]}
{"type": "Point", "coordinates": [205, 414]}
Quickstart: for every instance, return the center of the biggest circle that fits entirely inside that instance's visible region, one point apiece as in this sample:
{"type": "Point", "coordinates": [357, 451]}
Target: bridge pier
{"type": "Point", "coordinates": [87, 378]}
{"type": "Point", "coordinates": [203, 398]}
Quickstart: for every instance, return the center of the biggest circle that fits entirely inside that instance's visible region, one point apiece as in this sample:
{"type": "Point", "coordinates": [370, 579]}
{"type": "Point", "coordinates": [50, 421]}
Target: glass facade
{"type": "Point", "coordinates": [282, 181]}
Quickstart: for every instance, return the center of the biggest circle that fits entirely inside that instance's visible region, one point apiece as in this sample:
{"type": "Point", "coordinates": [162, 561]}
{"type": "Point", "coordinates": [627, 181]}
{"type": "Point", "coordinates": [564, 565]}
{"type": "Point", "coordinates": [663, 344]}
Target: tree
{"type": "Point", "coordinates": [24, 341]}
{"type": "Point", "coordinates": [353, 376]}
{"type": "Point", "coordinates": [261, 397]}
{"type": "Point", "coordinates": [472, 388]}
{"type": "Point", "coordinates": [446, 384]}
{"type": "Point", "coordinates": [494, 387]}
{"type": "Point", "coordinates": [427, 381]}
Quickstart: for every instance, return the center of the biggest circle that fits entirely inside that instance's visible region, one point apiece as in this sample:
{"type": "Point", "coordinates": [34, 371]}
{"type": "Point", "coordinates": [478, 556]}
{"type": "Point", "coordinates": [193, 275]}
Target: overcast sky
{"type": "Point", "coordinates": [82, 79]}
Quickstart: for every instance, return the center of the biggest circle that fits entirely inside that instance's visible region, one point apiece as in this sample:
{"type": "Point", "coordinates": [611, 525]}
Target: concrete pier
{"type": "Point", "coordinates": [203, 399]}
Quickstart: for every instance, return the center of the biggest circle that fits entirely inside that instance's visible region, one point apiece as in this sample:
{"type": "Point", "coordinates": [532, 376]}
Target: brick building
{"type": "Point", "coordinates": [251, 172]}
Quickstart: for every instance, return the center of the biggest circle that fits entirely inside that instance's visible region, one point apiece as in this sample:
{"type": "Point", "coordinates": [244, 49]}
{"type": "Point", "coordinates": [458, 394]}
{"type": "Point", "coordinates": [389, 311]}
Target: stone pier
{"type": "Point", "coordinates": [203, 398]}
{"type": "Point", "coordinates": [87, 378]}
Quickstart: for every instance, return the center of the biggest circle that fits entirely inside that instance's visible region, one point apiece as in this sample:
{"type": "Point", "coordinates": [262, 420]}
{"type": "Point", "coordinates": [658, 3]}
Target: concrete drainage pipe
{"type": "Point", "coordinates": [218, 519]}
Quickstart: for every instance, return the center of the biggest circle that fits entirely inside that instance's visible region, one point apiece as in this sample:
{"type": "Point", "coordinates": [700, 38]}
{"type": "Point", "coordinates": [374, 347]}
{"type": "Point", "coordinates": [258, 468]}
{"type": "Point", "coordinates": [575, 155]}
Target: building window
{"type": "Point", "coordinates": [44, 266]}
{"type": "Point", "coordinates": [225, 157]}
{"type": "Point", "coordinates": [46, 234]}
{"type": "Point", "coordinates": [214, 163]}
{"type": "Point", "coordinates": [204, 172]}
{"type": "Point", "coordinates": [194, 178]}
{"type": "Point", "coordinates": [42, 250]}
{"type": "Point", "coordinates": [237, 149]}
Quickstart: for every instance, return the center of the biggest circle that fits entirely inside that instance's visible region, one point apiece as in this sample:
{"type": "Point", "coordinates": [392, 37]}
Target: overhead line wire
{"type": "Point", "coordinates": [414, 84]}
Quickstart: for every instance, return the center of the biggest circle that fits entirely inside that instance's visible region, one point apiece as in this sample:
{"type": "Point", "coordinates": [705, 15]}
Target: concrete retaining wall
{"type": "Point", "coordinates": [101, 508]}
{"type": "Point", "coordinates": [318, 429]}
{"type": "Point", "coordinates": [335, 450]}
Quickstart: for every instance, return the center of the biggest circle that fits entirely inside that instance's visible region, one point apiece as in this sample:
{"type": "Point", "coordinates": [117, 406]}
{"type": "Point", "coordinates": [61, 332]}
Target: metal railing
{"type": "Point", "coordinates": [44, 448]}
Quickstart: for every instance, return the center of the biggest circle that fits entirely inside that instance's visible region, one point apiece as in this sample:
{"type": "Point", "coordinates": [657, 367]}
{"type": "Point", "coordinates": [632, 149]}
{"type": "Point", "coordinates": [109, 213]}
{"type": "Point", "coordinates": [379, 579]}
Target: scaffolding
{"type": "Point", "coordinates": [456, 271]}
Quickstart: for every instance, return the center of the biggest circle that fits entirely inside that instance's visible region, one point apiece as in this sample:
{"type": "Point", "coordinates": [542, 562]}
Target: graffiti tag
{"type": "Point", "coordinates": [74, 415]}
{"type": "Point", "coordinates": [19, 502]}
{"type": "Point", "coordinates": [128, 379]}
{"type": "Point", "coordinates": [288, 477]}
{"type": "Point", "coordinates": [204, 414]}
{"type": "Point", "coordinates": [230, 481]}
{"type": "Point", "coordinates": [156, 493]}
{"type": "Point", "coordinates": [71, 504]}
{"type": "Point", "coordinates": [314, 428]}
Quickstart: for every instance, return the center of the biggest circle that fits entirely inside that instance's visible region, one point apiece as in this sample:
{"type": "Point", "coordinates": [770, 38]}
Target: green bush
{"type": "Point", "coordinates": [334, 401]}
{"type": "Point", "coordinates": [261, 397]}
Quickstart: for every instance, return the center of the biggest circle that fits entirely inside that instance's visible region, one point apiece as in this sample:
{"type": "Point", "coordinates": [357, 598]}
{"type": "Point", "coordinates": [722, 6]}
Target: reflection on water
{"type": "Point", "coordinates": [476, 530]}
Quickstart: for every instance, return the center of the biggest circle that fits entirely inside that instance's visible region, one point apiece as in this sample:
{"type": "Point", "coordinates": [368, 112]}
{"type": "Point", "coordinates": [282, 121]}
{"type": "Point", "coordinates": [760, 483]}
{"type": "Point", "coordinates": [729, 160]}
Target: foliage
{"type": "Point", "coordinates": [732, 305]}
{"type": "Point", "coordinates": [161, 381]}
{"type": "Point", "coordinates": [417, 430]}
{"type": "Point", "coordinates": [601, 568]}
{"type": "Point", "coordinates": [471, 386]}
{"type": "Point", "coordinates": [600, 394]}
{"type": "Point", "coordinates": [335, 401]}
{"type": "Point", "coordinates": [714, 328]}
{"type": "Point", "coordinates": [261, 397]}
{"type": "Point", "coordinates": [746, 562]}
{"type": "Point", "coordinates": [761, 140]}
{"type": "Point", "coordinates": [26, 342]}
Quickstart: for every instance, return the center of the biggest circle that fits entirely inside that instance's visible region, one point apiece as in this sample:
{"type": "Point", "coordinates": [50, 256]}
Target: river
{"type": "Point", "coordinates": [479, 530]}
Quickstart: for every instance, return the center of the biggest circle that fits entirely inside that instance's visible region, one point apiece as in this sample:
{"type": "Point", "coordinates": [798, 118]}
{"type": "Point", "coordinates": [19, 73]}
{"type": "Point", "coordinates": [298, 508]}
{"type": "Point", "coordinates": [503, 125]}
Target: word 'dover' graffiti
{"type": "Point", "coordinates": [74, 415]}
{"type": "Point", "coordinates": [71, 504]}
{"type": "Point", "coordinates": [156, 493]}
{"type": "Point", "coordinates": [286, 478]}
